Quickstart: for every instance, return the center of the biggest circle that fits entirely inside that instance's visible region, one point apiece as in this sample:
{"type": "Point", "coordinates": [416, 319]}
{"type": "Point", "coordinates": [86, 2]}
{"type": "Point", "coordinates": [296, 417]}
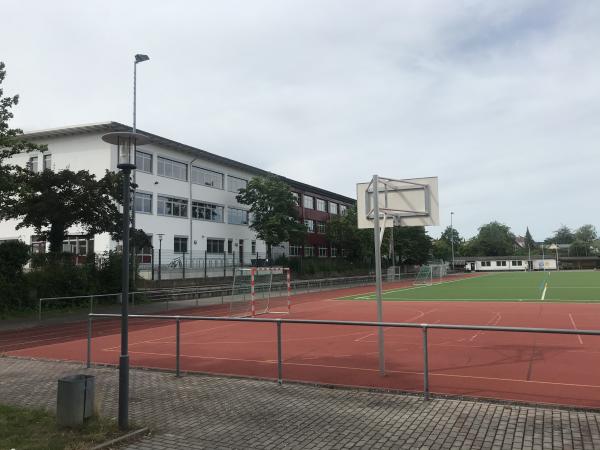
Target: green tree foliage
{"type": "Point", "coordinates": [52, 202]}
{"type": "Point", "coordinates": [586, 233]}
{"type": "Point", "coordinates": [563, 235]}
{"type": "Point", "coordinates": [13, 257]}
{"type": "Point", "coordinates": [493, 239]}
{"type": "Point", "coordinates": [343, 232]}
{"type": "Point", "coordinates": [412, 245]}
{"type": "Point", "coordinates": [10, 145]}
{"type": "Point", "coordinates": [442, 247]}
{"type": "Point", "coordinates": [529, 242]}
{"type": "Point", "coordinates": [273, 209]}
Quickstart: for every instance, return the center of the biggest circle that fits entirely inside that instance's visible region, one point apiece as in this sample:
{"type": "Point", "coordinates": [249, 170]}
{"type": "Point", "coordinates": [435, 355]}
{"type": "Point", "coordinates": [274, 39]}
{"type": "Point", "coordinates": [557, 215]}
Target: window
{"type": "Point", "coordinates": [310, 225]}
{"type": "Point", "coordinates": [295, 250]}
{"type": "Point", "coordinates": [254, 247]}
{"type": "Point", "coordinates": [333, 252]}
{"type": "Point", "coordinates": [500, 263]}
{"type": "Point", "coordinates": [308, 202]}
{"type": "Point", "coordinates": [321, 205]}
{"type": "Point", "coordinates": [234, 184]}
{"type": "Point", "coordinates": [207, 177]}
{"type": "Point", "coordinates": [237, 216]}
{"type": "Point", "coordinates": [143, 161]}
{"type": "Point", "coordinates": [78, 245]}
{"type": "Point", "coordinates": [169, 206]}
{"type": "Point", "coordinates": [172, 169]}
{"type": "Point", "coordinates": [486, 263]}
{"type": "Point", "coordinates": [207, 211]}
{"type": "Point", "coordinates": [33, 164]}
{"type": "Point", "coordinates": [333, 208]}
{"type": "Point", "coordinates": [143, 202]}
{"type": "Point", "coordinates": [343, 209]}
{"type": "Point", "coordinates": [47, 162]}
{"type": "Point", "coordinates": [180, 244]}
{"type": "Point", "coordinates": [309, 250]}
{"type": "Point", "coordinates": [144, 255]}
{"type": "Point", "coordinates": [215, 246]}
{"type": "Point", "coordinates": [321, 227]}
{"type": "Point", "coordinates": [38, 244]}
{"type": "Point", "coordinates": [322, 252]}
{"type": "Point", "coordinates": [229, 246]}
{"type": "Point", "coordinates": [296, 198]}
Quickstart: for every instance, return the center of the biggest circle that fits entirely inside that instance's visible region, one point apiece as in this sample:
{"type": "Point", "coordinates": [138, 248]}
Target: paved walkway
{"type": "Point", "coordinates": [206, 412]}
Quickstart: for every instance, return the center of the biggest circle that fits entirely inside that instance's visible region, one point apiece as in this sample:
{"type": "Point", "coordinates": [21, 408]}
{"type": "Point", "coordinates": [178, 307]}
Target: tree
{"type": "Point", "coordinates": [273, 210]}
{"type": "Point", "coordinates": [529, 242]}
{"type": "Point", "coordinates": [10, 144]}
{"type": "Point", "coordinates": [52, 202]}
{"type": "Point", "coordinates": [13, 257]}
{"type": "Point", "coordinates": [343, 232]}
{"type": "Point", "coordinates": [586, 233]}
{"type": "Point", "coordinates": [493, 239]}
{"type": "Point", "coordinates": [563, 235]}
{"type": "Point", "coordinates": [412, 245]}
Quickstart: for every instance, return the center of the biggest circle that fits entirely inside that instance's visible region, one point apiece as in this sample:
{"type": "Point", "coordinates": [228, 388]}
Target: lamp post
{"type": "Point", "coordinates": [138, 59]}
{"type": "Point", "coordinates": [160, 236]}
{"type": "Point", "coordinates": [126, 143]}
{"type": "Point", "coordinates": [452, 237]}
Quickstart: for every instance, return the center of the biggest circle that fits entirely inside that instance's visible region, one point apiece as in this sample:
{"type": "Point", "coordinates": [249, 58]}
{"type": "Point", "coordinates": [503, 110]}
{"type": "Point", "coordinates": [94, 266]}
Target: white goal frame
{"type": "Point", "coordinates": [253, 272]}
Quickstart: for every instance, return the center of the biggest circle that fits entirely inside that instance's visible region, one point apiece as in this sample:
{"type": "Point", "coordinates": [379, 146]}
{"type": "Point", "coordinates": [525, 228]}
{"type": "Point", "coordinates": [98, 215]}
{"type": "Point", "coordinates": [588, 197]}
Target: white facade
{"type": "Point", "coordinates": [85, 150]}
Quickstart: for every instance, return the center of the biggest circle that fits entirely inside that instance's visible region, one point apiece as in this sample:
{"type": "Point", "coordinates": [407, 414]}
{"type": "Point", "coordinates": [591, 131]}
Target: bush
{"type": "Point", "coordinates": [13, 257]}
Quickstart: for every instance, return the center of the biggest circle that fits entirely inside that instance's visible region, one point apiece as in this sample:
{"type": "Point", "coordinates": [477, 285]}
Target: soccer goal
{"type": "Point", "coordinates": [430, 273]}
{"type": "Point", "coordinates": [260, 290]}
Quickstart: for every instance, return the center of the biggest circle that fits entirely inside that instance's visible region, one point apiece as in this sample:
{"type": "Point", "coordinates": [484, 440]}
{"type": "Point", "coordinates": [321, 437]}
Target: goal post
{"type": "Point", "coordinates": [428, 274]}
{"type": "Point", "coordinates": [260, 290]}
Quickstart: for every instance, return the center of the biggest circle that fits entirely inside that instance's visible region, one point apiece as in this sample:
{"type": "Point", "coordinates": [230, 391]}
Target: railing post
{"type": "Point", "coordinates": [40, 310]}
{"type": "Point", "coordinates": [183, 272]}
{"type": "Point", "coordinates": [177, 347]}
{"type": "Point", "coordinates": [89, 344]}
{"type": "Point", "coordinates": [205, 261]}
{"type": "Point", "coordinates": [425, 365]}
{"type": "Point", "coordinates": [279, 359]}
{"type": "Point", "coordinates": [224, 264]}
{"type": "Point", "coordinates": [91, 304]}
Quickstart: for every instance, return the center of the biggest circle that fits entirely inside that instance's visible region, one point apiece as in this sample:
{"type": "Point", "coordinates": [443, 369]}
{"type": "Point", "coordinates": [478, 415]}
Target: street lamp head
{"type": "Point", "coordinates": [126, 143]}
{"type": "Point", "coordinates": [141, 58]}
{"type": "Point", "coordinates": [160, 236]}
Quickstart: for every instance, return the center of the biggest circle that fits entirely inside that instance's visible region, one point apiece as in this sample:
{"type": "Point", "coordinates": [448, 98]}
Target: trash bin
{"type": "Point", "coordinates": [75, 399]}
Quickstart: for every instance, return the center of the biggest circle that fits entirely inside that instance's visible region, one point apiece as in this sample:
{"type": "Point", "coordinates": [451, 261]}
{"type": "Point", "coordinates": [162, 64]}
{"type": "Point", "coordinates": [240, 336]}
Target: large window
{"type": "Point", "coordinates": [180, 244]}
{"type": "Point", "coordinates": [237, 216]}
{"type": "Point", "coordinates": [33, 164]}
{"type": "Point", "coordinates": [172, 169]}
{"type": "Point", "coordinates": [321, 205]}
{"type": "Point", "coordinates": [343, 209]}
{"type": "Point", "coordinates": [309, 202]}
{"type": "Point", "coordinates": [234, 184]}
{"type": "Point", "coordinates": [143, 161]}
{"type": "Point", "coordinates": [207, 177]}
{"type": "Point", "coordinates": [78, 245]}
{"type": "Point", "coordinates": [309, 251]}
{"type": "Point", "coordinates": [169, 206]}
{"type": "Point", "coordinates": [310, 225]}
{"type": "Point", "coordinates": [296, 198]}
{"type": "Point", "coordinates": [333, 252]}
{"type": "Point", "coordinates": [207, 211]}
{"type": "Point", "coordinates": [143, 202]}
{"type": "Point", "coordinates": [321, 227]}
{"type": "Point", "coordinates": [215, 245]}
{"type": "Point", "coordinates": [47, 162]}
{"type": "Point", "coordinates": [253, 247]}
{"type": "Point", "coordinates": [295, 250]}
{"type": "Point", "coordinates": [333, 208]}
{"type": "Point", "coordinates": [322, 252]}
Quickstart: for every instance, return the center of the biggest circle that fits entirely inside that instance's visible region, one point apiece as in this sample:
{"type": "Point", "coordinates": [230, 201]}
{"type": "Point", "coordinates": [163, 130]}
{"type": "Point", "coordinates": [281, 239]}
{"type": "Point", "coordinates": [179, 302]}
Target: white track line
{"type": "Point", "coordinates": [544, 292]}
{"type": "Point", "coordinates": [418, 316]}
{"type": "Point", "coordinates": [575, 327]}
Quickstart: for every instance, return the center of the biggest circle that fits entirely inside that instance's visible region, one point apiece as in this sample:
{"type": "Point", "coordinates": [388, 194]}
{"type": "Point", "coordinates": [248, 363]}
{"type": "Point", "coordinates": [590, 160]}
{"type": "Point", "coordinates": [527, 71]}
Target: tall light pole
{"type": "Point", "coordinates": [138, 59]}
{"type": "Point", "coordinates": [452, 237]}
{"type": "Point", "coordinates": [126, 143]}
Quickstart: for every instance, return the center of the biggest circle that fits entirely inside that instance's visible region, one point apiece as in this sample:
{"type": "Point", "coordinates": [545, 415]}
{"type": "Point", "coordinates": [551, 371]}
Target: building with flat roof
{"type": "Point", "coordinates": [184, 193]}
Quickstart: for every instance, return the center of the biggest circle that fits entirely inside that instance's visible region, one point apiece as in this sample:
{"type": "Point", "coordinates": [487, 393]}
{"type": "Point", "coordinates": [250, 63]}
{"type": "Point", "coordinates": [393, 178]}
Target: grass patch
{"type": "Point", "coordinates": [23, 428]}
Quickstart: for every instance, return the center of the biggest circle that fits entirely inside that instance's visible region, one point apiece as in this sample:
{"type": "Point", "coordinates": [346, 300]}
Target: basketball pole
{"type": "Point", "coordinates": [377, 241]}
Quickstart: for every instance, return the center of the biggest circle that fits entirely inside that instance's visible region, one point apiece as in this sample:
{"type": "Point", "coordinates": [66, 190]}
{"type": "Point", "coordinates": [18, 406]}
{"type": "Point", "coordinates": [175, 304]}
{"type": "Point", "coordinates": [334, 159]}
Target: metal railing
{"type": "Point", "coordinates": [223, 291]}
{"type": "Point", "coordinates": [425, 327]}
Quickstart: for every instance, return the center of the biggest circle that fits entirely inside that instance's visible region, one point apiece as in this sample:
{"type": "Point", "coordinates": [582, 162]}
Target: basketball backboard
{"type": "Point", "coordinates": [410, 202]}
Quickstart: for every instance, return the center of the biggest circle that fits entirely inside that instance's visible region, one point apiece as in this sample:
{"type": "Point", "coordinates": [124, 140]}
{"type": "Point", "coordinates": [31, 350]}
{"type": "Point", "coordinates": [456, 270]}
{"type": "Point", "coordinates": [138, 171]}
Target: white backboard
{"type": "Point", "coordinates": [409, 202]}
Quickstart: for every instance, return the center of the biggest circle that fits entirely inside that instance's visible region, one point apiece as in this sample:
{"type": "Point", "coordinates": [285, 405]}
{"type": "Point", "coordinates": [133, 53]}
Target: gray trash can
{"type": "Point", "coordinates": [75, 399]}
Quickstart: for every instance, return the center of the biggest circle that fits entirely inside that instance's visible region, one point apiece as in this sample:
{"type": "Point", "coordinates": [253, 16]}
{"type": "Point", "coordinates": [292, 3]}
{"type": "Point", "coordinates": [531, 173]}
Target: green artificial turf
{"type": "Point", "coordinates": [564, 286]}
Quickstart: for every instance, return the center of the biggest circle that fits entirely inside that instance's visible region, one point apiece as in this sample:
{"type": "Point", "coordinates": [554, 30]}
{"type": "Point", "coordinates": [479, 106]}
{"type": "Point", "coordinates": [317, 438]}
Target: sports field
{"type": "Point", "coordinates": [541, 368]}
{"type": "Point", "coordinates": [567, 286]}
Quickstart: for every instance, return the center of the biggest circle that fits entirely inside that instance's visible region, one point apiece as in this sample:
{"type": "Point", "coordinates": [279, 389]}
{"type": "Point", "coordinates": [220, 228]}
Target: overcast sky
{"type": "Point", "coordinates": [500, 99]}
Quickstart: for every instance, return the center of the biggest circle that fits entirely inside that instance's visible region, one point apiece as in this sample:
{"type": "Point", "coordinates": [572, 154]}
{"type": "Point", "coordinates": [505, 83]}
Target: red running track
{"type": "Point", "coordinates": [539, 368]}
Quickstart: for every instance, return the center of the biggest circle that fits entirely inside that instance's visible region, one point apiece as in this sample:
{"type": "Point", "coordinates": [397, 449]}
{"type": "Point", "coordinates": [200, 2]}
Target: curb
{"type": "Point", "coordinates": [125, 437]}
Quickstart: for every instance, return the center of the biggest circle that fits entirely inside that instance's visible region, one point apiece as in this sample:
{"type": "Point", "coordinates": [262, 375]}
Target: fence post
{"type": "Point", "coordinates": [91, 304]}
{"type": "Point", "coordinates": [183, 273]}
{"type": "Point", "coordinates": [177, 347]}
{"type": "Point", "coordinates": [89, 344]}
{"type": "Point", "coordinates": [425, 365]}
{"type": "Point", "coordinates": [152, 264]}
{"type": "Point", "coordinates": [40, 310]}
{"type": "Point", "coordinates": [224, 264]}
{"type": "Point", "coordinates": [205, 258]}
{"type": "Point", "coordinates": [279, 359]}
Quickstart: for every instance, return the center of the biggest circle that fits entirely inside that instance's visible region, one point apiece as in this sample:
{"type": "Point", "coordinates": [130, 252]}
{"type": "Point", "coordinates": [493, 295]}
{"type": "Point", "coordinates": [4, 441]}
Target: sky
{"type": "Point", "coordinates": [499, 99]}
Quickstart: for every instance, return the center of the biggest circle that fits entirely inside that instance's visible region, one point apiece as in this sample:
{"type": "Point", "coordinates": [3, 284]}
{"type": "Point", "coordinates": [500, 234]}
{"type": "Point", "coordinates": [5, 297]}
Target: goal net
{"type": "Point", "coordinates": [260, 290]}
{"type": "Point", "coordinates": [430, 273]}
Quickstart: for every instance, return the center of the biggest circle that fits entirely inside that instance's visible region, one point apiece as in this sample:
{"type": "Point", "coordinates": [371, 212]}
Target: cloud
{"type": "Point", "coordinates": [497, 98]}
